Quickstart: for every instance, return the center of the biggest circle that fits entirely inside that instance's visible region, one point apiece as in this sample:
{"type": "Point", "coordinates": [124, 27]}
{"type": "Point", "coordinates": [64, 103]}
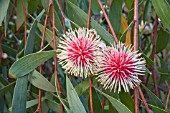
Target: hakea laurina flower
{"type": "Point", "coordinates": [120, 67]}
{"type": "Point", "coordinates": [80, 50]}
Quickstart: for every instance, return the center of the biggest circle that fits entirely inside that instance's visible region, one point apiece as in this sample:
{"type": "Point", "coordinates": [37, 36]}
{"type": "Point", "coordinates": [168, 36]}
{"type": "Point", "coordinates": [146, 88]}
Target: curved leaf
{"type": "Point", "coordinates": [29, 62]}
{"type": "Point", "coordinates": [115, 14]}
{"type": "Point", "coordinates": [3, 9]}
{"type": "Point", "coordinates": [41, 82]}
{"type": "Point", "coordinates": [74, 102]}
{"type": "Point", "coordinates": [121, 108]}
{"type": "Point", "coordinates": [154, 99]}
{"type": "Point", "coordinates": [162, 9]}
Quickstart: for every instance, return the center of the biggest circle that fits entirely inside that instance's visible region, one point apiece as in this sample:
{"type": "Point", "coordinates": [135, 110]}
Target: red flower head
{"type": "Point", "coordinates": [120, 66]}
{"type": "Point", "coordinates": [79, 52]}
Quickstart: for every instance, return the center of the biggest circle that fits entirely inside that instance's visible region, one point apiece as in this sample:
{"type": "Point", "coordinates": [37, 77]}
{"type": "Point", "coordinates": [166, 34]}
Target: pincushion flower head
{"type": "Point", "coordinates": [120, 67]}
{"type": "Point", "coordinates": [79, 51]}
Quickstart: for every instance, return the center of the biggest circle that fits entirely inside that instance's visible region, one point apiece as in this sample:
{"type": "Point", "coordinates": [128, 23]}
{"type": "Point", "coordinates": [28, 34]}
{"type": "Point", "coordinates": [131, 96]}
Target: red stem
{"type": "Point", "coordinates": [39, 107]}
{"type": "Point", "coordinates": [55, 58]}
{"type": "Point", "coordinates": [91, 100]}
{"type": "Point", "coordinates": [143, 99]}
{"type": "Point", "coordinates": [13, 6]}
{"type": "Point", "coordinates": [103, 101]}
{"type": "Point", "coordinates": [89, 13]}
{"type": "Point", "coordinates": [135, 49]}
{"type": "Point", "coordinates": [153, 54]}
{"type": "Point", "coordinates": [90, 81]}
{"type": "Point", "coordinates": [63, 17]}
{"type": "Point", "coordinates": [108, 22]}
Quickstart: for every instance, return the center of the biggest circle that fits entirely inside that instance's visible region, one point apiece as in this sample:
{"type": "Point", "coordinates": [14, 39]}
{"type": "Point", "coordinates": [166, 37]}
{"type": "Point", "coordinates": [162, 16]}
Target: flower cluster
{"type": "Point", "coordinates": [120, 66]}
{"type": "Point", "coordinates": [82, 53]}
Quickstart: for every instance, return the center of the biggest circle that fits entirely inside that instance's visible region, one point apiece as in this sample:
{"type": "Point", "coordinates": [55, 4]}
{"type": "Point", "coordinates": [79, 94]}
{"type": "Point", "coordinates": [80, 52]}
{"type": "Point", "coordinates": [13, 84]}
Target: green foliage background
{"type": "Point", "coordinates": [19, 76]}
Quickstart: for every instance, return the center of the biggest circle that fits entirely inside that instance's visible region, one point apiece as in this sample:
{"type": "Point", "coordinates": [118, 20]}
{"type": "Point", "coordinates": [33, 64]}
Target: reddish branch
{"type": "Point", "coordinates": [63, 17]}
{"type": "Point", "coordinates": [89, 13]}
{"type": "Point", "coordinates": [108, 22]}
{"type": "Point", "coordinates": [103, 101]}
{"type": "Point", "coordinates": [153, 54]}
{"type": "Point", "coordinates": [135, 49]}
{"type": "Point", "coordinates": [13, 6]}
{"type": "Point", "coordinates": [55, 58]}
{"type": "Point", "coordinates": [39, 107]}
{"type": "Point", "coordinates": [143, 99]}
{"type": "Point", "coordinates": [90, 80]}
{"type": "Point", "coordinates": [91, 101]}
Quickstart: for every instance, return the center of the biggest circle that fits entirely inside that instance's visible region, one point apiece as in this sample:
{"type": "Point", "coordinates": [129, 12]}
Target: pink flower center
{"type": "Point", "coordinates": [118, 65]}
{"type": "Point", "coordinates": [81, 51]}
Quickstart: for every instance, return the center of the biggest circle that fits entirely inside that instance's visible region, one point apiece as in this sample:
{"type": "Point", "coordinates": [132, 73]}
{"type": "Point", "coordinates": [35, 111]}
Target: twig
{"type": "Point", "coordinates": [25, 26]}
{"type": "Point", "coordinates": [153, 54]}
{"type": "Point", "coordinates": [108, 22]}
{"type": "Point", "coordinates": [91, 101]}
{"type": "Point", "coordinates": [13, 6]}
{"type": "Point", "coordinates": [103, 101]}
{"type": "Point", "coordinates": [39, 107]}
{"type": "Point", "coordinates": [135, 49]}
{"type": "Point", "coordinates": [45, 25]}
{"type": "Point", "coordinates": [55, 59]}
{"type": "Point", "coordinates": [63, 17]}
{"type": "Point", "coordinates": [167, 99]}
{"type": "Point", "coordinates": [143, 99]}
{"type": "Point", "coordinates": [89, 13]}
{"type": "Point", "coordinates": [136, 93]}
{"type": "Point", "coordinates": [90, 80]}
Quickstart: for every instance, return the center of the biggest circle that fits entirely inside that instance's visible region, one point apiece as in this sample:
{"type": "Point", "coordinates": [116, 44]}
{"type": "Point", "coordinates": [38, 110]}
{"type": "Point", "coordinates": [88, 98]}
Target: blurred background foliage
{"type": "Point", "coordinates": [19, 85]}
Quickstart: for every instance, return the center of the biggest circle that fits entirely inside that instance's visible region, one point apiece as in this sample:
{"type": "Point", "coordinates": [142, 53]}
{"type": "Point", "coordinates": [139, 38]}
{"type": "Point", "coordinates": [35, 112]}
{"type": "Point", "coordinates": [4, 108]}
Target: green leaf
{"type": "Point", "coordinates": [82, 87]}
{"type": "Point", "coordinates": [153, 98]}
{"type": "Point", "coordinates": [6, 88]}
{"type": "Point", "coordinates": [20, 12]}
{"type": "Point", "coordinates": [164, 71]}
{"type": "Point", "coordinates": [148, 60]}
{"type": "Point", "coordinates": [95, 7]}
{"type": "Point", "coordinates": [29, 62]}
{"type": "Point", "coordinates": [32, 6]}
{"type": "Point", "coordinates": [96, 102]}
{"type": "Point", "coordinates": [45, 4]}
{"type": "Point", "coordinates": [74, 102]}
{"type": "Point", "coordinates": [53, 105]}
{"type": "Point", "coordinates": [57, 19]}
{"type": "Point", "coordinates": [163, 37]}
{"type": "Point", "coordinates": [111, 109]}
{"type": "Point", "coordinates": [41, 82]}
{"type": "Point", "coordinates": [163, 10]}
{"type": "Point", "coordinates": [115, 14]}
{"type": "Point", "coordinates": [121, 108]}
{"type": "Point", "coordinates": [20, 96]}
{"type": "Point", "coordinates": [61, 100]}
{"type": "Point", "coordinates": [78, 16]}
{"type": "Point", "coordinates": [3, 9]}
{"type": "Point", "coordinates": [31, 103]}
{"type": "Point", "coordinates": [75, 2]}
{"type": "Point", "coordinates": [30, 39]}
{"type": "Point", "coordinates": [7, 49]}
{"type": "Point", "coordinates": [127, 100]}
{"type": "Point", "coordinates": [157, 109]}
{"type": "Point", "coordinates": [129, 4]}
